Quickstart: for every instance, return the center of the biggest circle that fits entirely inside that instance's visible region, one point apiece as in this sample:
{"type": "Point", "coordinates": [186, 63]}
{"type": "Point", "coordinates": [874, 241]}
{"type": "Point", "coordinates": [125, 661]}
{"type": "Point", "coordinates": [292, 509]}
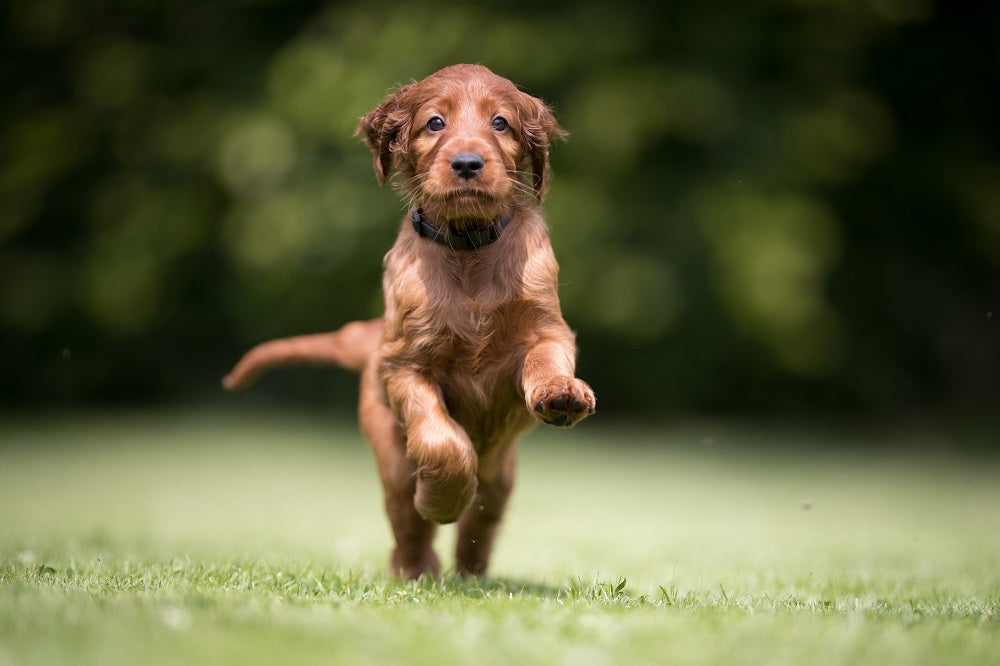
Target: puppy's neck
{"type": "Point", "coordinates": [470, 234]}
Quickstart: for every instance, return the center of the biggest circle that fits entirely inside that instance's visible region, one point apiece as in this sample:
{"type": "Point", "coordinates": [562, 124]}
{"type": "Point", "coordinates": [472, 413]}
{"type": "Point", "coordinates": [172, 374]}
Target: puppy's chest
{"type": "Point", "coordinates": [469, 332]}
{"type": "Point", "coordinates": [463, 315]}
{"type": "Point", "coordinates": [475, 357]}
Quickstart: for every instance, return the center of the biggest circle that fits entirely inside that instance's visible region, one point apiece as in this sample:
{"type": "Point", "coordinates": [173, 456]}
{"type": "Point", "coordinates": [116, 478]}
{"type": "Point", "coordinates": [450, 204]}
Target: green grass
{"type": "Point", "coordinates": [205, 539]}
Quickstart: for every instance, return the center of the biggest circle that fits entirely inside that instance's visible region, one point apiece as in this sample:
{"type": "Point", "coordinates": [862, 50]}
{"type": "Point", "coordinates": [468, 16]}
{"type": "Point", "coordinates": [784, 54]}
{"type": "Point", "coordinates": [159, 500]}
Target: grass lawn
{"type": "Point", "coordinates": [215, 539]}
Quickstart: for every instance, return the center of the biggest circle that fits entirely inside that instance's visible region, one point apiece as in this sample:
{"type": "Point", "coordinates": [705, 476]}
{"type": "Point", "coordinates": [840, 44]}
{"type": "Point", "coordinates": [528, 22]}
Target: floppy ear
{"type": "Point", "coordinates": [386, 131]}
{"type": "Point", "coordinates": [538, 129]}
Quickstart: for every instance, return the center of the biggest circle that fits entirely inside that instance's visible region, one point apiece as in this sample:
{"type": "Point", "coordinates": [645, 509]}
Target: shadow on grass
{"type": "Point", "coordinates": [486, 587]}
{"type": "Point", "coordinates": [494, 587]}
{"type": "Point", "coordinates": [614, 592]}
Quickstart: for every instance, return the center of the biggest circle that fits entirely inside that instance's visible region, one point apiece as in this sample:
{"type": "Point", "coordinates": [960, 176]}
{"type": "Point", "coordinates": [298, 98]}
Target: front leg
{"type": "Point", "coordinates": [551, 391]}
{"type": "Point", "coordinates": [444, 456]}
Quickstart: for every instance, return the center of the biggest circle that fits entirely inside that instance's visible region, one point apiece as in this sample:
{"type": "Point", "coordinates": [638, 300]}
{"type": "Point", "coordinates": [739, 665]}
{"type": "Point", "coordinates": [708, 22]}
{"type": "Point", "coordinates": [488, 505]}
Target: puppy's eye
{"type": "Point", "coordinates": [435, 124]}
{"type": "Point", "coordinates": [499, 123]}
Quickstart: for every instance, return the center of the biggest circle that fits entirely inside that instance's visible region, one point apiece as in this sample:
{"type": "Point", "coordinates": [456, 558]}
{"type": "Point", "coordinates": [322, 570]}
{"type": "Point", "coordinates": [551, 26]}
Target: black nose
{"type": "Point", "coordinates": [467, 165]}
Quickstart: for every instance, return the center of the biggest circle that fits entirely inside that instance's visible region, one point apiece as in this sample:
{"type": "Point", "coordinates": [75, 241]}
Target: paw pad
{"type": "Point", "coordinates": [565, 403]}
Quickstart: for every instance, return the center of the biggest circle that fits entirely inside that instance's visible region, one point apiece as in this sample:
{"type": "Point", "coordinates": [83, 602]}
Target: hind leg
{"type": "Point", "coordinates": [479, 524]}
{"type": "Point", "coordinates": [413, 554]}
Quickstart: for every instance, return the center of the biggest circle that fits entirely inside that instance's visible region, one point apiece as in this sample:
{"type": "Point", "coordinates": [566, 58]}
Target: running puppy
{"type": "Point", "coordinates": [472, 349]}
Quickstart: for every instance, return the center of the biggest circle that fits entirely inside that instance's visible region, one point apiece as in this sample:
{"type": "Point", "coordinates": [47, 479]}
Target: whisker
{"type": "Point", "coordinates": [522, 182]}
{"type": "Point", "coordinates": [411, 188]}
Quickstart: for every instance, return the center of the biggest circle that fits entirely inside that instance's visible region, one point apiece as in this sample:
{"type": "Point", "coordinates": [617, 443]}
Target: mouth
{"type": "Point", "coordinates": [464, 201]}
{"type": "Point", "coordinates": [462, 207]}
{"type": "Point", "coordinates": [466, 193]}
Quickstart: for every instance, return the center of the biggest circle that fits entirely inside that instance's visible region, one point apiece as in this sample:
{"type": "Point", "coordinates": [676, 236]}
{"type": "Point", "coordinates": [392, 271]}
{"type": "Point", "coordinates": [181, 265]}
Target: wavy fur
{"type": "Point", "coordinates": [472, 349]}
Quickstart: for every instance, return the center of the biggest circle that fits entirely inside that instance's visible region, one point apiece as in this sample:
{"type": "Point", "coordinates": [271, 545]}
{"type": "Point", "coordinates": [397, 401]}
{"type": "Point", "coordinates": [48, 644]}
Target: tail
{"type": "Point", "coordinates": [349, 347]}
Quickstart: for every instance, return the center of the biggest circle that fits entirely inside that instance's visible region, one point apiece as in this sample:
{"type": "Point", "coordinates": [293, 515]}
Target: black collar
{"type": "Point", "coordinates": [468, 239]}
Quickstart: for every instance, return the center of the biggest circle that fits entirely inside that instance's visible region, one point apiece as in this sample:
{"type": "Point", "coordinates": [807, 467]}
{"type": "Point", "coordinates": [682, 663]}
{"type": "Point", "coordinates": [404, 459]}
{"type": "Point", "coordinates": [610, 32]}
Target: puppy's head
{"type": "Point", "coordinates": [465, 143]}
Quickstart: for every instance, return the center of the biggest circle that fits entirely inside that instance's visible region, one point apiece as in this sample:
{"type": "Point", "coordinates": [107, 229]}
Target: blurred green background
{"type": "Point", "coordinates": [773, 208]}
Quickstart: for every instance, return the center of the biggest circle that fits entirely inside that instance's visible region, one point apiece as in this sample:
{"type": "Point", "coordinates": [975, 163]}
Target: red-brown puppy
{"type": "Point", "coordinates": [472, 348]}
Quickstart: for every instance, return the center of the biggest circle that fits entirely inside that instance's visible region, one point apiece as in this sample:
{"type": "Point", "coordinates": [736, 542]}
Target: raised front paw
{"type": "Point", "coordinates": [563, 401]}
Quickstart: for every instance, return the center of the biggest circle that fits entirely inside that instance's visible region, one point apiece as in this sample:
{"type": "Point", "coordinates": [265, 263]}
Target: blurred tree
{"type": "Point", "coordinates": [766, 206]}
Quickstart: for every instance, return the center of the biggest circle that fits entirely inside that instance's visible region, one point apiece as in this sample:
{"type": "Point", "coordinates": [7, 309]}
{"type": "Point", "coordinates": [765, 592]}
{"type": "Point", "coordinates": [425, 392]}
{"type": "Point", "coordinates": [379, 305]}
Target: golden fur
{"type": "Point", "coordinates": [472, 349]}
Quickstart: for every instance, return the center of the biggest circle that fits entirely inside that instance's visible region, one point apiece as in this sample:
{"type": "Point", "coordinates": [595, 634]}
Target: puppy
{"type": "Point", "coordinates": [472, 349]}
